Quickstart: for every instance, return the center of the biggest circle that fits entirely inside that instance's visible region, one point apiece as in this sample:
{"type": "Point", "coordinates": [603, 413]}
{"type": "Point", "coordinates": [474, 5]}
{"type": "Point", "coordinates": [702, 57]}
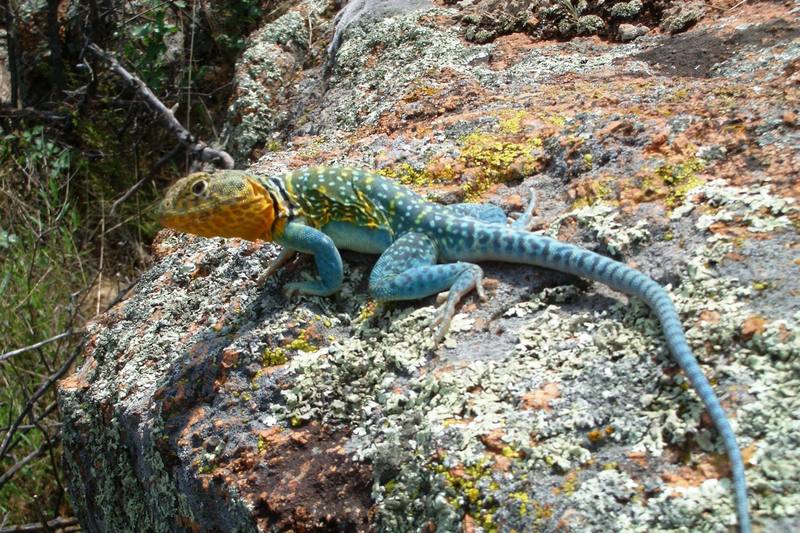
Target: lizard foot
{"type": "Point", "coordinates": [526, 221]}
{"type": "Point", "coordinates": [311, 288]}
{"type": "Point", "coordinates": [470, 279]}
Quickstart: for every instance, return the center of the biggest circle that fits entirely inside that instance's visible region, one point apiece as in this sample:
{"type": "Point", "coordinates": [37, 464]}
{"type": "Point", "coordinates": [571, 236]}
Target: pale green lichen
{"type": "Point", "coordinates": [755, 207]}
{"type": "Point", "coordinates": [403, 418]}
{"type": "Point", "coordinates": [602, 220]}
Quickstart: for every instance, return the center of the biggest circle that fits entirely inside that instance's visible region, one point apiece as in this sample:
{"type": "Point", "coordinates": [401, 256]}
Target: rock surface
{"type": "Point", "coordinates": [206, 403]}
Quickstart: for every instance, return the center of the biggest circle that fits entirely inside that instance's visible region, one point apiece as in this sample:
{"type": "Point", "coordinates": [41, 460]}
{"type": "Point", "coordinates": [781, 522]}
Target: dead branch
{"type": "Point", "coordinates": [19, 465]}
{"type": "Point", "coordinates": [12, 353]}
{"type": "Point", "coordinates": [198, 148]}
{"type": "Point", "coordinates": [43, 388]}
{"type": "Point", "coordinates": [56, 523]}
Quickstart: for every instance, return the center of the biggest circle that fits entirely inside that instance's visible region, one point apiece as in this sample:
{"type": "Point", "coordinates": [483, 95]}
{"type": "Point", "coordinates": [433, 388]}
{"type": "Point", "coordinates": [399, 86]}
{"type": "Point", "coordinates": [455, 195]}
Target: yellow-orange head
{"type": "Point", "coordinates": [226, 203]}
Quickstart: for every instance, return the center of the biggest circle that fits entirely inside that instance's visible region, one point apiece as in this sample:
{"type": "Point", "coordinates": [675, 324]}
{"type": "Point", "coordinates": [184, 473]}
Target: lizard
{"type": "Point", "coordinates": [424, 249]}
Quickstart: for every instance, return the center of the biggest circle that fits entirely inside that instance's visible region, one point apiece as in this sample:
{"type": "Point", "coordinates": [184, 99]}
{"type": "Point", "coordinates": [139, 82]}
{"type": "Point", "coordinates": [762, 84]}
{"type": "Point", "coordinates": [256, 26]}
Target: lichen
{"type": "Point", "coordinates": [403, 417]}
{"type": "Point", "coordinates": [601, 219]}
{"type": "Point", "coordinates": [499, 158]}
{"type": "Point", "coordinates": [680, 179]}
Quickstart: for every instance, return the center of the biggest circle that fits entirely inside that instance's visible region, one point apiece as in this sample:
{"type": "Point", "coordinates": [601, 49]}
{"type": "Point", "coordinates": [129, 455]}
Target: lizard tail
{"type": "Point", "coordinates": [522, 247]}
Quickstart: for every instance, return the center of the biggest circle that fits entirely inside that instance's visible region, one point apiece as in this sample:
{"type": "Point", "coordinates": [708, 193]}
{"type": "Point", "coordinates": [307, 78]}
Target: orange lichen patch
{"type": "Point", "coordinates": [569, 485]}
{"type": "Point", "coordinates": [194, 420]}
{"type": "Point", "coordinates": [600, 434]}
{"type": "Point", "coordinates": [299, 480]}
{"type": "Point", "coordinates": [753, 325]}
{"type": "Point", "coordinates": [540, 398]}
{"type": "Point", "coordinates": [501, 463]}
{"type": "Point", "coordinates": [439, 93]}
{"type": "Point", "coordinates": [589, 191]}
{"type": "Point", "coordinates": [490, 284]}
{"type": "Point", "coordinates": [78, 381]}
{"type": "Point", "coordinates": [230, 356]}
{"type": "Point", "coordinates": [509, 49]}
{"type": "Point", "coordinates": [468, 524]}
{"type": "Point", "coordinates": [711, 317]}
{"type": "Point", "coordinates": [640, 458]}
{"type": "Point", "coordinates": [685, 476]}
{"type": "Point", "coordinates": [494, 440]}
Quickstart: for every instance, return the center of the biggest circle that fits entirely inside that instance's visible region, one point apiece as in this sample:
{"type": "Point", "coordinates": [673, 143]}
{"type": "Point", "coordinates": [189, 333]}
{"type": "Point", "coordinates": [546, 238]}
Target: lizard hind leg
{"type": "Point", "coordinates": [491, 214]}
{"type": "Point", "coordinates": [407, 270]}
{"type": "Point", "coordinates": [486, 213]}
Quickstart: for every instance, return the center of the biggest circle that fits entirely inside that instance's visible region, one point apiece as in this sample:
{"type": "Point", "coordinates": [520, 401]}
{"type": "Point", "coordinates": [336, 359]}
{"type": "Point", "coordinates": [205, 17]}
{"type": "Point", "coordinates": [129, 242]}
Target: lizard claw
{"type": "Point", "coordinates": [284, 257]}
{"type": "Point", "coordinates": [472, 279]}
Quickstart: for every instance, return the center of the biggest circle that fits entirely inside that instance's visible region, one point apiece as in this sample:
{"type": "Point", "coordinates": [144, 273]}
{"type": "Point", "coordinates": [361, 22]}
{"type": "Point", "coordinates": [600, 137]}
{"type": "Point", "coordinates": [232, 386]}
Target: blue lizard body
{"type": "Point", "coordinates": [424, 249]}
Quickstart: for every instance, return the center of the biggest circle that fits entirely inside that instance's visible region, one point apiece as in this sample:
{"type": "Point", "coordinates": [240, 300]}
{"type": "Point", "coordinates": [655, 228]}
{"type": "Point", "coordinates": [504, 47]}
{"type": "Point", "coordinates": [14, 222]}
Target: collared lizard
{"type": "Point", "coordinates": [424, 249]}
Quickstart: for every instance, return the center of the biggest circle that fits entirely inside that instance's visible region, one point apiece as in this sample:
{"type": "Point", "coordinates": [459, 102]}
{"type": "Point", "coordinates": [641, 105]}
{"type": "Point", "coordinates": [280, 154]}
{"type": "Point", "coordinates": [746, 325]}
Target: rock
{"type": "Point", "coordinates": [681, 16]}
{"type": "Point", "coordinates": [207, 403]}
{"type": "Point", "coordinates": [629, 32]}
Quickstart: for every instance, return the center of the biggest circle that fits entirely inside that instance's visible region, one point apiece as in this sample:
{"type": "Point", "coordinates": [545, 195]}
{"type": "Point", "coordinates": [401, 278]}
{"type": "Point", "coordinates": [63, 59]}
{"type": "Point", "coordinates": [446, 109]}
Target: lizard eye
{"type": "Point", "coordinates": [199, 187]}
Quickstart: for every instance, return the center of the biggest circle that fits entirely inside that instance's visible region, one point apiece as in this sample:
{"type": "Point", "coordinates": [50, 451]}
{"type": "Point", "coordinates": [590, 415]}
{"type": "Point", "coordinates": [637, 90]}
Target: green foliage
{"type": "Point", "coordinates": [237, 15]}
{"type": "Point", "coordinates": [146, 46]}
{"type": "Point", "coordinates": [41, 264]}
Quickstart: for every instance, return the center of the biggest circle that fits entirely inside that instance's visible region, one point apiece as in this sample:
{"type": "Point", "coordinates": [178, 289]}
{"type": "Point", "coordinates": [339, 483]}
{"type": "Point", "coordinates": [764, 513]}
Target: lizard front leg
{"type": "Point", "coordinates": [298, 237]}
{"type": "Point", "coordinates": [407, 270]}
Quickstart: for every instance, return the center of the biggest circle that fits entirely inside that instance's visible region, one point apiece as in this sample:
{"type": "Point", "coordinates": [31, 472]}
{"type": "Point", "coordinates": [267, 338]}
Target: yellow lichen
{"type": "Point", "coordinates": [408, 175]}
{"type": "Point", "coordinates": [680, 179]}
{"type": "Point", "coordinates": [511, 120]}
{"type": "Point", "coordinates": [499, 159]}
{"type": "Point", "coordinates": [302, 344]}
{"type": "Point", "coordinates": [419, 92]}
{"type": "Point", "coordinates": [273, 357]}
{"type": "Point", "coordinates": [591, 192]}
{"type": "Point", "coordinates": [263, 444]}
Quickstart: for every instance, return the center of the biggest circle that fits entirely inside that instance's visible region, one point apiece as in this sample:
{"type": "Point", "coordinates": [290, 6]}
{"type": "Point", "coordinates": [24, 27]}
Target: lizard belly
{"type": "Point", "coordinates": [358, 239]}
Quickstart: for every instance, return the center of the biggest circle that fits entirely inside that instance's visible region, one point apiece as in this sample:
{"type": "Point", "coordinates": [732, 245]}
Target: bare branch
{"type": "Point", "coordinates": [198, 148]}
{"type": "Point", "coordinates": [160, 163]}
{"type": "Point", "coordinates": [12, 353]}
{"type": "Point", "coordinates": [43, 388]}
{"type": "Point", "coordinates": [56, 523]}
{"type": "Point", "coordinates": [19, 465]}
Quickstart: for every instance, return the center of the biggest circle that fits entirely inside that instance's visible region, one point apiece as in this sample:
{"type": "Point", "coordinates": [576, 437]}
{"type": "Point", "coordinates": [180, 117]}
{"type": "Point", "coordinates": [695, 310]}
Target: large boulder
{"type": "Point", "coordinates": [208, 403]}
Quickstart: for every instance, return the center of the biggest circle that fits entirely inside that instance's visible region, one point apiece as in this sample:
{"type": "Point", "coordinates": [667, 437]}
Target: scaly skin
{"type": "Point", "coordinates": [424, 249]}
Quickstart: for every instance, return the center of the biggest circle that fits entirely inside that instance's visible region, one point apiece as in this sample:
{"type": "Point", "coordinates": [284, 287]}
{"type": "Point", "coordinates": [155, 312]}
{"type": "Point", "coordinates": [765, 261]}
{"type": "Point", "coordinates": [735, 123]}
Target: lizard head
{"type": "Point", "coordinates": [226, 203]}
